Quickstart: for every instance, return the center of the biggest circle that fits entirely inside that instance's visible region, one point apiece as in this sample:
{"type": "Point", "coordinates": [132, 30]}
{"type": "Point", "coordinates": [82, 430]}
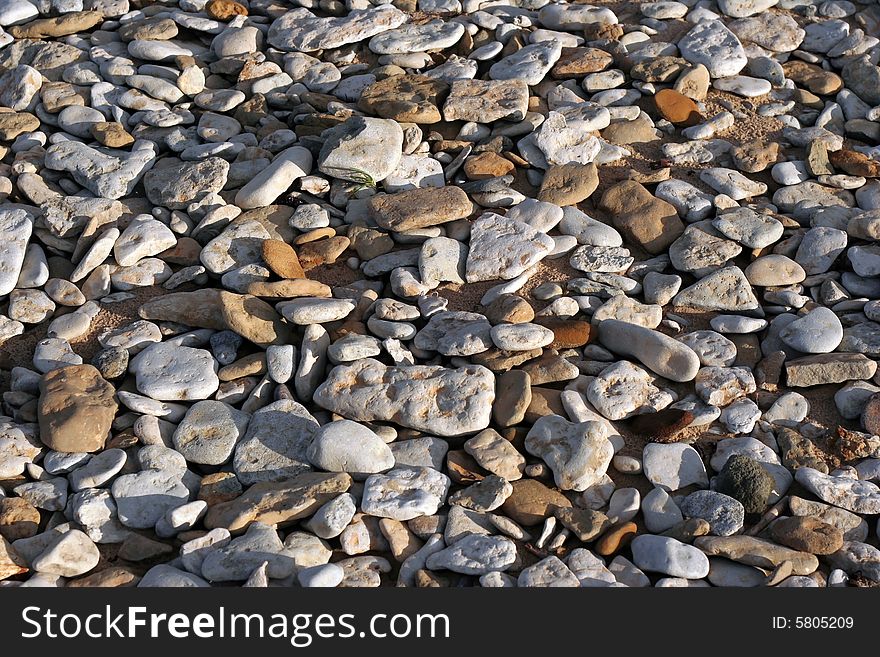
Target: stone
{"type": "Point", "coordinates": [622, 390]}
{"type": "Point", "coordinates": [663, 355]}
{"type": "Point", "coordinates": [757, 552]}
{"type": "Point", "coordinates": [245, 315]}
{"type": "Point", "coordinates": [531, 502]}
{"type": "Point", "coordinates": [435, 399]}
{"type": "Point", "coordinates": [495, 454]}
{"type": "Point", "coordinates": [745, 479]}
{"type": "Point", "coordinates": [405, 98]}
{"type": "Point", "coordinates": [578, 453]}
{"type": "Point", "coordinates": [724, 514]}
{"type": "Point", "coordinates": [404, 493]}
{"type": "Point", "coordinates": [407, 210]}
{"type": "Point", "coordinates": [69, 555]}
{"type": "Point", "coordinates": [712, 44]}
{"type": "Point", "coordinates": [850, 494]}
{"type": "Point", "coordinates": [16, 226]}
{"type": "Point", "coordinates": [807, 534]}
{"type": "Point", "coordinates": [650, 222]}
{"type": "Point", "coordinates": [300, 30]}
{"type": "Point", "coordinates": [363, 150]}
{"type": "Point", "coordinates": [668, 556]}
{"type": "Point", "coordinates": [76, 409]}
{"type": "Point", "coordinates": [209, 432]}
{"type": "Point", "coordinates": [275, 446]}
{"type": "Point", "coordinates": [677, 108]}
{"type": "Point", "coordinates": [346, 446]}
{"type": "Point", "coordinates": [278, 502]}
{"type": "Point", "coordinates": [673, 466]}
{"type": "Point", "coordinates": [486, 101]}
{"type": "Point", "coordinates": [168, 372]}
{"type": "Point", "coordinates": [502, 248]}
{"type": "Point", "coordinates": [475, 555]}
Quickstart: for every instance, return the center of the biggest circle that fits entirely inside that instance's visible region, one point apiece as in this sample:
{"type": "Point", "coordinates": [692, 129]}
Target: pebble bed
{"type": "Point", "coordinates": [439, 293]}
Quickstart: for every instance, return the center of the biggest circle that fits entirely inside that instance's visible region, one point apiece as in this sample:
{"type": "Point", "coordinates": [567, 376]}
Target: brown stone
{"type": "Point", "coordinates": [323, 252]}
{"type": "Point", "coordinates": [871, 414]}
{"type": "Point", "coordinates": [754, 156]}
{"type": "Point", "coordinates": [531, 502]}
{"type": "Point", "coordinates": [855, 163]}
{"type": "Point", "coordinates": [585, 524]}
{"type": "Point", "coordinates": [660, 69]}
{"type": "Point", "coordinates": [509, 309]}
{"type": "Point", "coordinates": [550, 368]}
{"type": "Point", "coordinates": [462, 468]}
{"type": "Point", "coordinates": [314, 235]}
{"type": "Point", "coordinates": [112, 577]}
{"type": "Point", "coordinates": [498, 360]}
{"type": "Point", "coordinates": [650, 222]}
{"type": "Point", "coordinates": [402, 542]}
{"type": "Point", "coordinates": [11, 563]}
{"type": "Point", "coordinates": [419, 208]}
{"type": "Point", "coordinates": [289, 289]}
{"type": "Point", "coordinates": [578, 62]}
{"type": "Point", "coordinates": [487, 165]}
{"type": "Point", "coordinates": [111, 134]}
{"type": "Point", "coordinates": [798, 451]}
{"type": "Point", "coordinates": [76, 409]}
{"type": "Point", "coordinates": [278, 502]}
{"type": "Point", "coordinates": [405, 98]}
{"type": "Point", "coordinates": [567, 333]}
{"type": "Point", "coordinates": [637, 131]}
{"type": "Point", "coordinates": [616, 538]}
{"type": "Point", "coordinates": [225, 10]}
{"type": "Point", "coordinates": [18, 518]}
{"type": "Point", "coordinates": [64, 25]}
{"type": "Point", "coordinates": [250, 317]}
{"type": "Point", "coordinates": [677, 108]}
{"type": "Point", "coordinates": [662, 426]}
{"type": "Point", "coordinates": [369, 243]}
{"type": "Point", "coordinates": [487, 101]}
{"type": "Point", "coordinates": [807, 534]}
{"type": "Point", "coordinates": [569, 184]}
{"type": "Point", "coordinates": [852, 445]}
{"type": "Point", "coordinates": [12, 124]}
{"type": "Point", "coordinates": [813, 77]}
{"type": "Point", "coordinates": [545, 401]}
{"type": "Point", "coordinates": [185, 252]}
{"type": "Point", "coordinates": [282, 259]}
{"type": "Point", "coordinates": [250, 365]}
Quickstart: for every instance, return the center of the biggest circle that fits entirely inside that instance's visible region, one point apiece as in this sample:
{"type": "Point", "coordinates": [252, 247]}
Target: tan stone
{"type": "Point", "coordinates": [18, 518]}
{"type": "Point", "coordinates": [76, 409]}
{"type": "Point", "coordinates": [289, 289]}
{"type": "Point", "coordinates": [11, 563]}
{"type": "Point", "coordinates": [225, 10]}
{"type": "Point", "coordinates": [531, 502]}
{"type": "Point", "coordinates": [248, 316]}
{"type": "Point", "coordinates": [650, 222]}
{"type": "Point", "coordinates": [569, 184]}
{"type": "Point", "coordinates": [278, 502]}
{"type": "Point", "coordinates": [487, 165]}
{"type": "Point", "coordinates": [578, 62]}
{"type": "Point", "coordinates": [111, 134]}
{"type": "Point", "coordinates": [282, 259]}
{"type": "Point", "coordinates": [419, 208]}
{"type": "Point", "coordinates": [405, 98]}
